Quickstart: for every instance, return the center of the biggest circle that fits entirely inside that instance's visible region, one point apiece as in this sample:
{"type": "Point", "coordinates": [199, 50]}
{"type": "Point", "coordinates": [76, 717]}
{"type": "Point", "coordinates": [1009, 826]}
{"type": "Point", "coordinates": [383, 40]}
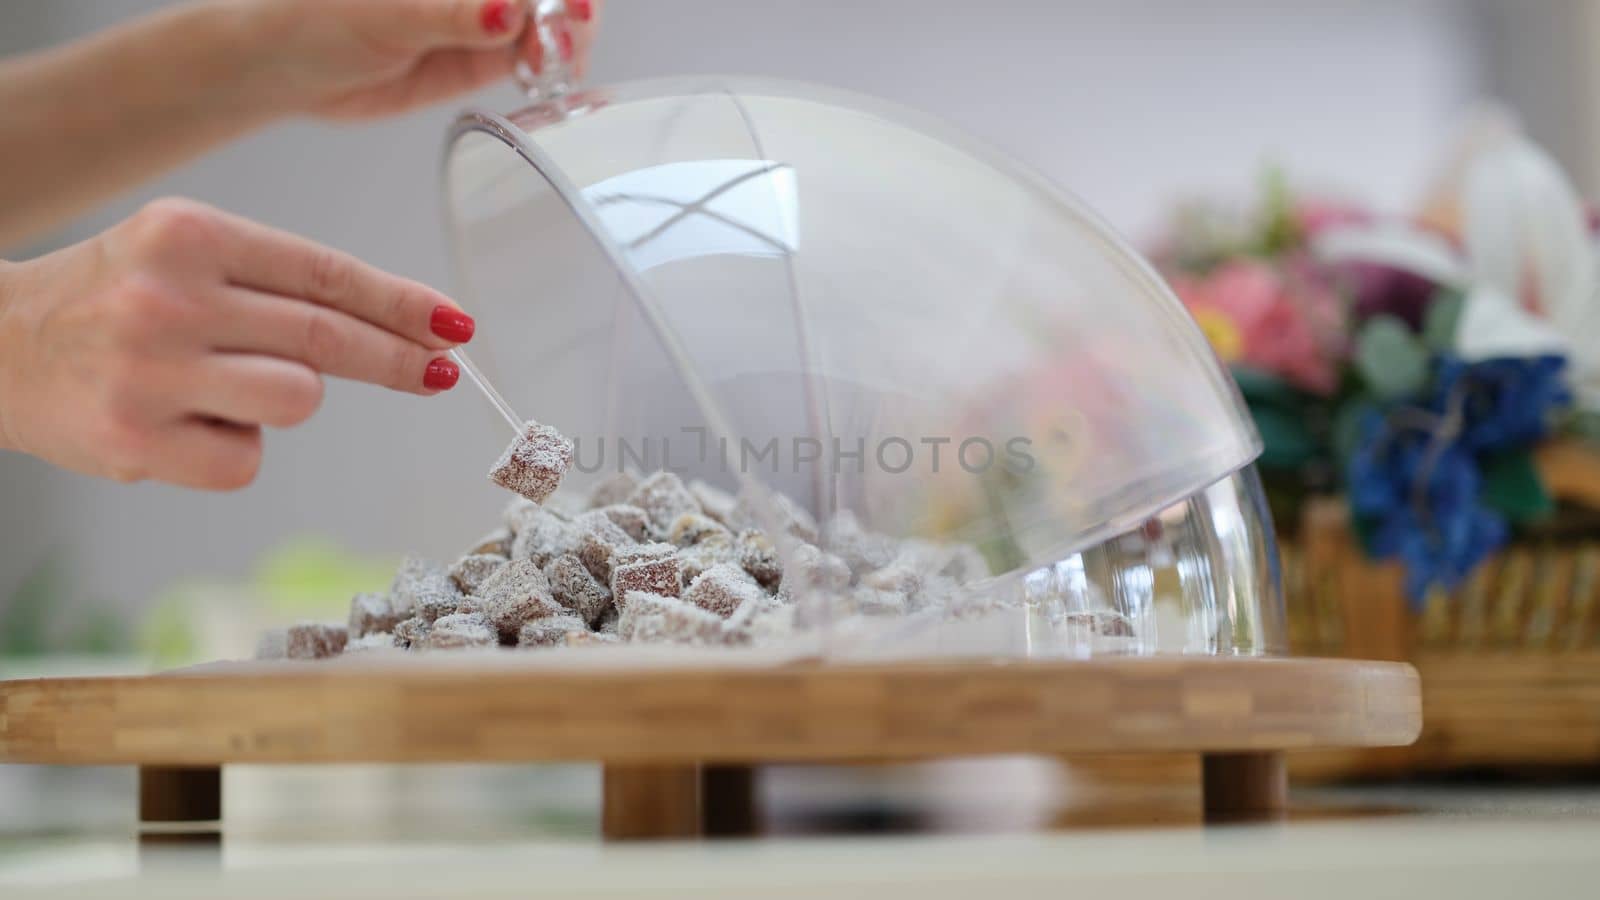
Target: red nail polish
{"type": "Point", "coordinates": [581, 10]}
{"type": "Point", "coordinates": [564, 40]}
{"type": "Point", "coordinates": [441, 375]}
{"type": "Point", "coordinates": [495, 16]}
{"type": "Point", "coordinates": [452, 324]}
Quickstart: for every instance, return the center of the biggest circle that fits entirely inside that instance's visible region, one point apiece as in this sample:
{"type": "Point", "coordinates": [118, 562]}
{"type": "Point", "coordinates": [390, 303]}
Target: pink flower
{"type": "Point", "coordinates": [1287, 323]}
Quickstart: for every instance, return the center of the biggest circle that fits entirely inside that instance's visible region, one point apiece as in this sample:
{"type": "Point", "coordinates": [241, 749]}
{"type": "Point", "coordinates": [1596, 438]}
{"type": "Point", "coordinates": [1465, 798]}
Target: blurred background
{"type": "Point", "coordinates": [1134, 105]}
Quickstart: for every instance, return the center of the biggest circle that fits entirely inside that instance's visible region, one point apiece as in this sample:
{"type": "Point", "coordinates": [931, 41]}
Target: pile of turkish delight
{"type": "Point", "coordinates": [650, 559]}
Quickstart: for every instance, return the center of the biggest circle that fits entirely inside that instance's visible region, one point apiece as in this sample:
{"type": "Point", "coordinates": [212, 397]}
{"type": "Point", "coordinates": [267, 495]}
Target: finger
{"type": "Point", "coordinates": [584, 29]}
{"type": "Point", "coordinates": [531, 50]}
{"type": "Point", "coordinates": [443, 74]}
{"type": "Point", "coordinates": [251, 389]}
{"type": "Point", "coordinates": [444, 23]}
{"type": "Point", "coordinates": [327, 340]}
{"type": "Point", "coordinates": [276, 262]}
{"type": "Point", "coordinates": [206, 454]}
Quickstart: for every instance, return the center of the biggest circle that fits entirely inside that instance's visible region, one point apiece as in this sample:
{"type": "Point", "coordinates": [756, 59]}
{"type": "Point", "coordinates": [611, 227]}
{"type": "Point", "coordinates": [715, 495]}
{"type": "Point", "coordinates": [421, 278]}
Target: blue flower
{"type": "Point", "coordinates": [1415, 475]}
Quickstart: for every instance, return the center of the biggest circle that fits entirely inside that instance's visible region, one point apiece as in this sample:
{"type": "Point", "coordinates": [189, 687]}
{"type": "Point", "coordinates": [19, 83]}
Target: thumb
{"type": "Point", "coordinates": [448, 23]}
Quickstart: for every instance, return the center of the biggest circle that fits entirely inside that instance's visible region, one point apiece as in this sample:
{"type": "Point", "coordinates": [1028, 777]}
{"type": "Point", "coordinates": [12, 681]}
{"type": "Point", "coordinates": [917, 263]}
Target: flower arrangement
{"type": "Point", "coordinates": [1412, 365]}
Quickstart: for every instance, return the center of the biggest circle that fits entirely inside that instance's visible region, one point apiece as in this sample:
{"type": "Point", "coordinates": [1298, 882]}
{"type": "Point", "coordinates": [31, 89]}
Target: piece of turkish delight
{"type": "Point", "coordinates": [612, 489]}
{"type": "Point", "coordinates": [310, 640]}
{"type": "Point", "coordinates": [651, 618]}
{"type": "Point", "coordinates": [664, 498]}
{"type": "Point", "coordinates": [657, 575]}
{"type": "Point", "coordinates": [372, 613]}
{"type": "Point", "coordinates": [597, 540]}
{"type": "Point", "coordinates": [549, 632]}
{"type": "Point", "coordinates": [469, 572]}
{"type": "Point", "coordinates": [575, 587]}
{"type": "Point", "coordinates": [721, 589]}
{"type": "Point", "coordinates": [460, 630]}
{"type": "Point", "coordinates": [516, 593]}
{"type": "Point", "coordinates": [629, 518]}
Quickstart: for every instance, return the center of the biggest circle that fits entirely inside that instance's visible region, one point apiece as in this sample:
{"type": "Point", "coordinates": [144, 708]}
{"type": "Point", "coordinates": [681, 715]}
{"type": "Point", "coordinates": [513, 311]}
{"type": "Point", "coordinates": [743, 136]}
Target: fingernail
{"type": "Point", "coordinates": [452, 324]}
{"type": "Point", "coordinates": [495, 16]}
{"type": "Point", "coordinates": [564, 41]}
{"type": "Point", "coordinates": [441, 375]}
{"type": "Point", "coordinates": [581, 10]}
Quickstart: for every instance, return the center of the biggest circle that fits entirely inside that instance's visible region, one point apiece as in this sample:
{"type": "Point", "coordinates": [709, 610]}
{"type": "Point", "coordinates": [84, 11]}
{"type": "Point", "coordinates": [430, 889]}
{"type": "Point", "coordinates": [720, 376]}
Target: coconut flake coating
{"type": "Point", "coordinates": [722, 589]}
{"type": "Point", "coordinates": [541, 536]}
{"type": "Point", "coordinates": [370, 614]}
{"type": "Point", "coordinates": [460, 630]}
{"type": "Point", "coordinates": [759, 557]}
{"type": "Point", "coordinates": [612, 489]}
{"type": "Point", "coordinates": [310, 640]}
{"type": "Point", "coordinates": [664, 497]}
{"type": "Point", "coordinates": [418, 580]}
{"type": "Point", "coordinates": [575, 587]}
{"type": "Point", "coordinates": [469, 572]}
{"type": "Point", "coordinates": [653, 618]}
{"type": "Point", "coordinates": [534, 463]}
{"type": "Point", "coordinates": [714, 501]}
{"type": "Point", "coordinates": [694, 528]}
{"type": "Point", "coordinates": [651, 575]}
{"type": "Point", "coordinates": [515, 594]}
{"type": "Point", "coordinates": [598, 539]}
{"type": "Point", "coordinates": [412, 632]}
{"type": "Point", "coordinates": [629, 518]}
{"type": "Point", "coordinates": [549, 632]}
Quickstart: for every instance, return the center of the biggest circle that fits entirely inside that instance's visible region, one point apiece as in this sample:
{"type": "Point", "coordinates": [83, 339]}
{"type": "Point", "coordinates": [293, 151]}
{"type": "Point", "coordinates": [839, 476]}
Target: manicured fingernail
{"type": "Point", "coordinates": [495, 16]}
{"type": "Point", "coordinates": [581, 10]}
{"type": "Point", "coordinates": [441, 375]}
{"type": "Point", "coordinates": [452, 324]}
{"type": "Point", "coordinates": [564, 41]}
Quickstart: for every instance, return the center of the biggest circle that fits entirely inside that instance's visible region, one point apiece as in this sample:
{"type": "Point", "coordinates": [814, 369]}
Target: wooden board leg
{"type": "Point", "coordinates": [651, 802]}
{"type": "Point", "coordinates": [180, 794]}
{"type": "Point", "coordinates": [184, 806]}
{"type": "Point", "coordinates": [1244, 787]}
{"type": "Point", "coordinates": [728, 801]}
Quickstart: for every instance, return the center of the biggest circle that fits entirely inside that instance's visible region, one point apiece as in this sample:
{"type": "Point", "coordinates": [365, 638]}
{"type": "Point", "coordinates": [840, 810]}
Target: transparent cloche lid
{"type": "Point", "coordinates": [949, 366]}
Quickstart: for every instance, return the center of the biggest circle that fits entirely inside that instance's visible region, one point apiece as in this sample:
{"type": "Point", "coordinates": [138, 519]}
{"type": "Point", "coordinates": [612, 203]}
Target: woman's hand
{"type": "Point", "coordinates": [167, 87]}
{"type": "Point", "coordinates": [348, 59]}
{"type": "Point", "coordinates": [159, 349]}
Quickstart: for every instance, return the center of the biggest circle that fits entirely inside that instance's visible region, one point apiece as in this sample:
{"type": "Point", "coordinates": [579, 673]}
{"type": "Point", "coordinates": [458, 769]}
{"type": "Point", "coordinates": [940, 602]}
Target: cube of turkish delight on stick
{"type": "Point", "coordinates": [534, 463]}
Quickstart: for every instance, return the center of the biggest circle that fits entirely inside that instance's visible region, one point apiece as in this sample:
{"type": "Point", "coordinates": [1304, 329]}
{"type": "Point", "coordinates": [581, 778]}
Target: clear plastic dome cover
{"type": "Point", "coordinates": [790, 292]}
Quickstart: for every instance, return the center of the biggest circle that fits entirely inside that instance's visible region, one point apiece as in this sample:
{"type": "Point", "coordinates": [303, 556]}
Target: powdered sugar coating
{"type": "Point", "coordinates": [541, 536]}
{"type": "Point", "coordinates": [575, 587]}
{"type": "Point", "coordinates": [534, 463]}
